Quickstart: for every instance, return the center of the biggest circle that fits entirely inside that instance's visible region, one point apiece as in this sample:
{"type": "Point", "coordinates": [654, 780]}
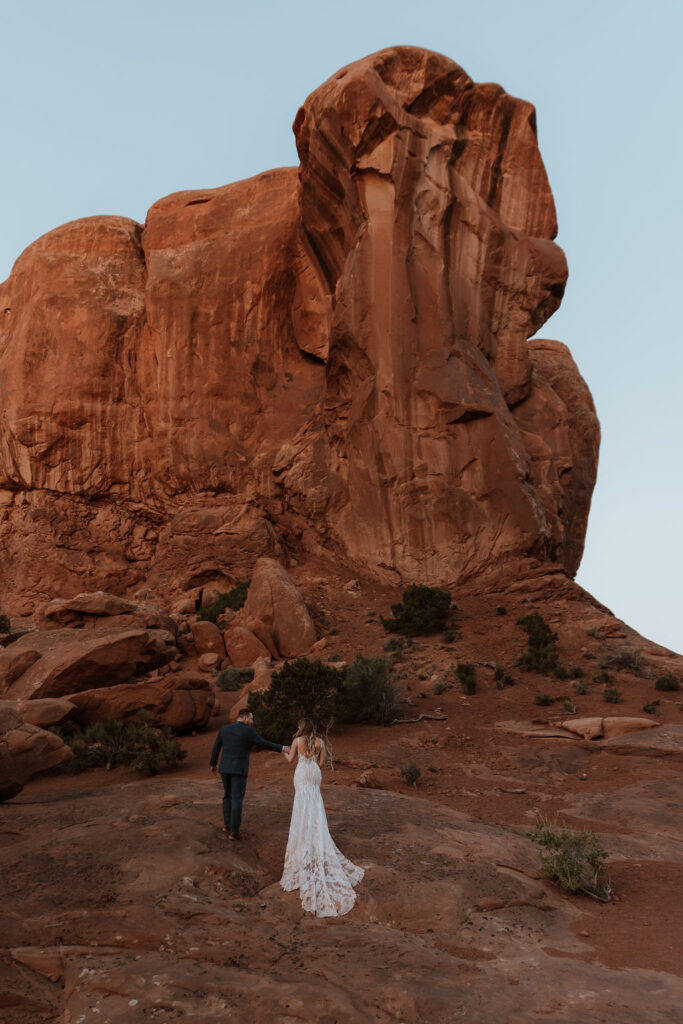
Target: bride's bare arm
{"type": "Point", "coordinates": [321, 754]}
{"type": "Point", "coordinates": [293, 750]}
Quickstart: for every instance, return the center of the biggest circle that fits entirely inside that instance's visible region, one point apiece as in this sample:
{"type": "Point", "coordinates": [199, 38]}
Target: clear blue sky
{"type": "Point", "coordinates": [108, 106]}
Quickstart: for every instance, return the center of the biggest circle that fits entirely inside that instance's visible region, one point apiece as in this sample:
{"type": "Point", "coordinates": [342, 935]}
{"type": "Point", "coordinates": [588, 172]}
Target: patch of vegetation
{"type": "Point", "coordinates": [576, 672]}
{"type": "Point", "coordinates": [421, 612]}
{"type": "Point", "coordinates": [560, 672]}
{"type": "Point", "coordinates": [449, 636]}
{"type": "Point", "coordinates": [233, 678]}
{"type": "Point", "coordinates": [109, 743]}
{"type": "Point", "coordinates": [579, 687]}
{"type": "Point", "coordinates": [667, 684]}
{"type": "Point", "coordinates": [611, 695]}
{"type": "Point", "coordinates": [369, 695]}
{"type": "Point", "coordinates": [411, 773]}
{"type": "Point", "coordinates": [594, 633]}
{"type": "Point", "coordinates": [544, 700]}
{"type": "Point", "coordinates": [440, 687]}
{"type": "Point", "coordinates": [651, 708]}
{"type": "Point", "coordinates": [501, 610]}
{"type": "Point", "coordinates": [301, 689]}
{"type": "Point", "coordinates": [588, 655]}
{"type": "Point", "coordinates": [568, 705]}
{"type": "Point", "coordinates": [467, 674]}
{"type": "Point", "coordinates": [502, 678]}
{"type": "Point", "coordinates": [233, 599]}
{"type": "Point", "coordinates": [574, 860]}
{"type": "Point", "coordinates": [362, 692]}
{"type": "Point", "coordinates": [627, 661]}
{"type": "Point", "coordinates": [5, 624]}
{"type": "Point", "coordinates": [603, 677]}
{"type": "Point", "coordinates": [541, 654]}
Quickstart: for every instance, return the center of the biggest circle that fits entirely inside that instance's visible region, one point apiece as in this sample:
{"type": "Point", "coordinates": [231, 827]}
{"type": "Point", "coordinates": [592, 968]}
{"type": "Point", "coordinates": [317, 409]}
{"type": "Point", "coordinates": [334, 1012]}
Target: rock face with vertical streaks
{"type": "Point", "coordinates": [335, 356]}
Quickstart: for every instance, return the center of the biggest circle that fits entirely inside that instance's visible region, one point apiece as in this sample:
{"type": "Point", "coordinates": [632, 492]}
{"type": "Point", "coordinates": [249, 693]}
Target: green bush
{"type": "Point", "coordinates": [541, 654]}
{"type": "Point", "coordinates": [502, 678]}
{"type": "Point", "coordinates": [627, 661]}
{"type": "Point", "coordinates": [611, 695]}
{"type": "Point", "coordinates": [652, 708]}
{"type": "Point", "coordinates": [467, 674]}
{"type": "Point", "coordinates": [449, 636]}
{"type": "Point", "coordinates": [411, 773]}
{"type": "Point", "coordinates": [4, 624]}
{"type": "Point", "coordinates": [109, 743]}
{"type": "Point", "coordinates": [576, 672]}
{"type": "Point", "coordinates": [301, 689]}
{"type": "Point", "coordinates": [369, 695]}
{"type": "Point", "coordinates": [667, 684]}
{"type": "Point", "coordinates": [422, 611]}
{"type": "Point", "coordinates": [501, 610]}
{"type": "Point", "coordinates": [440, 687]}
{"type": "Point", "coordinates": [574, 860]}
{"type": "Point", "coordinates": [233, 678]}
{"type": "Point", "coordinates": [544, 700]}
{"type": "Point", "coordinates": [580, 687]}
{"type": "Point", "coordinates": [234, 599]}
{"type": "Point", "coordinates": [603, 677]}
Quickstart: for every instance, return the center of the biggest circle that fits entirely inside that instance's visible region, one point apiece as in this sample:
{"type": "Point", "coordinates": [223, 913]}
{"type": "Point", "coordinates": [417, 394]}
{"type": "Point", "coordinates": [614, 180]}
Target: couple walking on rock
{"type": "Point", "coordinates": [313, 864]}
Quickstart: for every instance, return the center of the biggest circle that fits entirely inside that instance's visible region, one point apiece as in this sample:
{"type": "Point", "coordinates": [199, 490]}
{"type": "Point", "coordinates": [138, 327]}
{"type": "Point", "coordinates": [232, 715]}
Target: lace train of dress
{"type": "Point", "coordinates": [313, 864]}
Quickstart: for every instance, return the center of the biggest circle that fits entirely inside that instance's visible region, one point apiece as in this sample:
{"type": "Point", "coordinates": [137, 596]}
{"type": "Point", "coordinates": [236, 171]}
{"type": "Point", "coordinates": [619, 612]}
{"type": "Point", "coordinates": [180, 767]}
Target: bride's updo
{"type": "Point", "coordinates": [306, 732]}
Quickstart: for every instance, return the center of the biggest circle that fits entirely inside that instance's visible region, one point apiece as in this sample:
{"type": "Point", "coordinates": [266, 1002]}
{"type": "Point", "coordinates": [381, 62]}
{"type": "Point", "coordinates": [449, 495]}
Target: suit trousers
{"type": "Point", "coordinates": [234, 788]}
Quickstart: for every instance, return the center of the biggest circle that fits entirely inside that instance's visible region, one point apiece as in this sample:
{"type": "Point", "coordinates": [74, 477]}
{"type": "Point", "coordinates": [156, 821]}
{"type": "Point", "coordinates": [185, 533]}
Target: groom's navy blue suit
{"type": "Point", "coordinates": [236, 741]}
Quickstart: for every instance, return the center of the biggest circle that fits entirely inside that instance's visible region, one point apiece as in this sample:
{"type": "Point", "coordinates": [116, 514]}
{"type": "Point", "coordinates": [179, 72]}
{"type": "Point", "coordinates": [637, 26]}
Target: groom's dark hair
{"type": "Point", "coordinates": [243, 712]}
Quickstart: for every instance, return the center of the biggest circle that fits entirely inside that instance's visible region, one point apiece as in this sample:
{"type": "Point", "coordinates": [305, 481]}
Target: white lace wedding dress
{"type": "Point", "coordinates": [313, 864]}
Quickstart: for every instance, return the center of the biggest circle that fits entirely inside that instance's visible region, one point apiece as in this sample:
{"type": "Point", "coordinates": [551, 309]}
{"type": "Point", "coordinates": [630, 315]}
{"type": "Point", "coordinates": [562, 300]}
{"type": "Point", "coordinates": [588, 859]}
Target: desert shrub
{"type": "Point", "coordinates": [233, 599]}
{"type": "Point", "coordinates": [560, 672]}
{"type": "Point", "coordinates": [667, 684]}
{"type": "Point", "coordinates": [394, 645]}
{"type": "Point", "coordinates": [449, 636]}
{"type": "Point", "coordinates": [109, 743]}
{"type": "Point", "coordinates": [467, 674]}
{"type": "Point", "coordinates": [4, 624]}
{"type": "Point", "coordinates": [568, 705]}
{"type": "Point", "coordinates": [651, 708]}
{"type": "Point", "coordinates": [301, 689]}
{"type": "Point", "coordinates": [627, 661]}
{"type": "Point", "coordinates": [580, 687]}
{"type": "Point", "coordinates": [541, 653]}
{"type": "Point", "coordinates": [611, 695]}
{"type": "Point", "coordinates": [603, 677]}
{"type": "Point", "coordinates": [369, 694]}
{"type": "Point", "coordinates": [233, 678]}
{"type": "Point", "coordinates": [422, 611]}
{"type": "Point", "coordinates": [440, 687]}
{"type": "Point", "coordinates": [411, 773]}
{"type": "Point", "coordinates": [576, 672]}
{"type": "Point", "coordinates": [574, 860]}
{"type": "Point", "coordinates": [501, 610]}
{"type": "Point", "coordinates": [544, 700]}
{"type": "Point", "coordinates": [502, 678]}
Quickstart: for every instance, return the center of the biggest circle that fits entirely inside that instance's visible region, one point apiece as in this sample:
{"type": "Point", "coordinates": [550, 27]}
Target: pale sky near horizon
{"type": "Point", "coordinates": [110, 106]}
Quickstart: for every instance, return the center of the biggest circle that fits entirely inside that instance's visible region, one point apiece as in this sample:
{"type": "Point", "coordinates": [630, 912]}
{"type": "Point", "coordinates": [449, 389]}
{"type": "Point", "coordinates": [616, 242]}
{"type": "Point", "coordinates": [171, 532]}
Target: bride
{"type": "Point", "coordinates": [313, 864]}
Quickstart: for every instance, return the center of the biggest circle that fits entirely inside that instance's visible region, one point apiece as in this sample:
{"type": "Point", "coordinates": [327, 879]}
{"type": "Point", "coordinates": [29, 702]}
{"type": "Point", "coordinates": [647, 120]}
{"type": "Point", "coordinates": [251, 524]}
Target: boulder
{"type": "Point", "coordinates": [26, 750]}
{"type": "Point", "coordinates": [588, 728]}
{"type": "Point", "coordinates": [68, 660]}
{"type": "Point", "coordinates": [43, 712]}
{"type": "Point", "coordinates": [243, 647]}
{"type": "Point", "coordinates": [275, 601]}
{"type": "Point", "coordinates": [209, 662]}
{"type": "Point", "coordinates": [208, 638]}
{"type": "Point", "coordinates": [622, 725]}
{"type": "Point", "coordinates": [182, 700]}
{"type": "Point", "coordinates": [76, 610]}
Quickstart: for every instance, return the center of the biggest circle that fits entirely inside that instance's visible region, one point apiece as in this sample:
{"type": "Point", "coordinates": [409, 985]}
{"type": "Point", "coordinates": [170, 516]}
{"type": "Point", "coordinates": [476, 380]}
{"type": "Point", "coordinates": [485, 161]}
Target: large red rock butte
{"type": "Point", "coordinates": [332, 356]}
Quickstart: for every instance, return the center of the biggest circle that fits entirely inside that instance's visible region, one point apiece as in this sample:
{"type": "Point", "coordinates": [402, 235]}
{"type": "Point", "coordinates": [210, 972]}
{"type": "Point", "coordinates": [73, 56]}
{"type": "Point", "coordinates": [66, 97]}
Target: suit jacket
{"type": "Point", "coordinates": [236, 741]}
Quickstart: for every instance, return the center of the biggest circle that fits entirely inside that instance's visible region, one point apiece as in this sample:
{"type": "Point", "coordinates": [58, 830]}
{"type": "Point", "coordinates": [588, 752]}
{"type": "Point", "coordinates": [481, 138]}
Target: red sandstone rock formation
{"type": "Point", "coordinates": [332, 356]}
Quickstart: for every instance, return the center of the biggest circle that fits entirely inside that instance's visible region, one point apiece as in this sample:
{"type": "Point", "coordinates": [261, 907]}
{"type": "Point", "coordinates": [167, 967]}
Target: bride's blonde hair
{"type": "Point", "coordinates": [306, 732]}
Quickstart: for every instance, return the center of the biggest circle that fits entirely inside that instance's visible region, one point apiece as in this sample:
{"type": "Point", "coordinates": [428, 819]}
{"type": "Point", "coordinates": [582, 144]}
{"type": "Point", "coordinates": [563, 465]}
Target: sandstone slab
{"type": "Point", "coordinates": [243, 647]}
{"type": "Point", "coordinates": [26, 750]}
{"type": "Point", "coordinates": [275, 601]}
{"type": "Point", "coordinates": [184, 701]}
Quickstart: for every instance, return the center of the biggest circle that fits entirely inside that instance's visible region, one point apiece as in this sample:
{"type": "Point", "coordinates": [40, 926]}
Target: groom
{"type": "Point", "coordinates": [237, 740]}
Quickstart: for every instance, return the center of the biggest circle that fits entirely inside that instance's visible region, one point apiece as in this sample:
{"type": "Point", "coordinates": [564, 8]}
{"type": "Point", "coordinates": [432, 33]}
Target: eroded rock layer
{"type": "Point", "coordinates": [332, 356]}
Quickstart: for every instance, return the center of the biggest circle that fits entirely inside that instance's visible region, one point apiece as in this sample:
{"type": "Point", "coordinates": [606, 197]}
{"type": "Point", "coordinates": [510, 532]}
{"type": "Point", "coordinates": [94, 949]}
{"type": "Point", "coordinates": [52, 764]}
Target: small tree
{"type": "Point", "coordinates": [233, 678]}
{"type": "Point", "coordinates": [301, 689]}
{"type": "Point", "coordinates": [574, 860]}
{"type": "Point", "coordinates": [422, 611]}
{"type": "Point", "coordinates": [667, 684]}
{"type": "Point", "coordinates": [541, 654]}
{"type": "Point", "coordinates": [369, 694]}
{"type": "Point", "coordinates": [467, 674]}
